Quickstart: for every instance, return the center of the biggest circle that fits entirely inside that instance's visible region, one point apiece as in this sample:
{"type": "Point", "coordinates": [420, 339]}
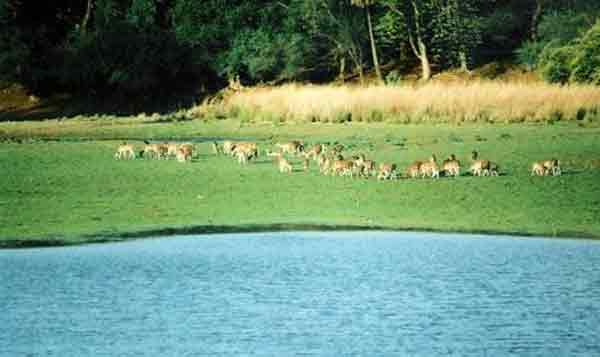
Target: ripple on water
{"type": "Point", "coordinates": [312, 294]}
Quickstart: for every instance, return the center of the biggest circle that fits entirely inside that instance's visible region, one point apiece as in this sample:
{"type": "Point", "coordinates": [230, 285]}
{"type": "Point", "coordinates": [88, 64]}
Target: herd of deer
{"type": "Point", "coordinates": [331, 161]}
{"type": "Point", "coordinates": [161, 151]}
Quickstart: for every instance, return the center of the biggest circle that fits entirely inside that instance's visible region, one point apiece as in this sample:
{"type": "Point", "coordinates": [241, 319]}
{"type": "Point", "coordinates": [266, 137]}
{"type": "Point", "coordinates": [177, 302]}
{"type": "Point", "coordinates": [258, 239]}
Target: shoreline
{"type": "Point", "coordinates": [263, 228]}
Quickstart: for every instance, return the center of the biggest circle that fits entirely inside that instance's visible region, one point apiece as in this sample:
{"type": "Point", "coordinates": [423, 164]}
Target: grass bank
{"type": "Point", "coordinates": [61, 185]}
{"type": "Point", "coordinates": [477, 101]}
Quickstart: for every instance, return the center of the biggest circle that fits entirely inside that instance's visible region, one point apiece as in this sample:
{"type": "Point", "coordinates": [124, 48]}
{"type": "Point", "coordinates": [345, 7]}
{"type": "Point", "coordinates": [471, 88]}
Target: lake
{"type": "Point", "coordinates": [304, 294]}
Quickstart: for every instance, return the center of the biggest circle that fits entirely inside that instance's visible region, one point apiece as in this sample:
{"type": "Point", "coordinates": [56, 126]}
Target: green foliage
{"type": "Point", "coordinates": [585, 66]}
{"type": "Point", "coordinates": [529, 53]}
{"type": "Point", "coordinates": [121, 58]}
{"type": "Point", "coordinates": [554, 64]}
{"type": "Point", "coordinates": [457, 31]}
{"type": "Point", "coordinates": [563, 26]}
{"type": "Point", "coordinates": [393, 77]}
{"type": "Point", "coordinates": [142, 14]}
{"type": "Point", "coordinates": [257, 54]}
{"type": "Point", "coordinates": [124, 53]}
{"type": "Point", "coordinates": [13, 46]}
{"type": "Point", "coordinates": [578, 61]}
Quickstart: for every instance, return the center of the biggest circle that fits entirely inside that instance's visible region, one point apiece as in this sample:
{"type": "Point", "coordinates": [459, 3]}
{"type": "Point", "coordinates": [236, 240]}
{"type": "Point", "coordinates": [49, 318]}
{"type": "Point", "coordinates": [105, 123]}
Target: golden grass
{"type": "Point", "coordinates": [433, 102]}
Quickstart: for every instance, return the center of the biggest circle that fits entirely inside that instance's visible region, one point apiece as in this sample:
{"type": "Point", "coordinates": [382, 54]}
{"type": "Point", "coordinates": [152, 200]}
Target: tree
{"type": "Point", "coordinates": [458, 31]}
{"type": "Point", "coordinates": [339, 27]}
{"type": "Point", "coordinates": [418, 17]}
{"type": "Point", "coordinates": [366, 4]}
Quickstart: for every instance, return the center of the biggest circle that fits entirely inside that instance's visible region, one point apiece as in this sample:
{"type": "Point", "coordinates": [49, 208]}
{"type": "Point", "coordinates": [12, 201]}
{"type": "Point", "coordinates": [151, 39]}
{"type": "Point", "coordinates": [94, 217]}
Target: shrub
{"type": "Point", "coordinates": [528, 54]}
{"type": "Point", "coordinates": [554, 64]}
{"type": "Point", "coordinates": [585, 66]}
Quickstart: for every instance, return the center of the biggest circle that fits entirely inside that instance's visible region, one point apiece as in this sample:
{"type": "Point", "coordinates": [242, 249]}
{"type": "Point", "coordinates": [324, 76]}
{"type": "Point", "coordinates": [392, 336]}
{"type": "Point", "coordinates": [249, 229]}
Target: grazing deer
{"type": "Point", "coordinates": [494, 170]}
{"type": "Point", "coordinates": [324, 163]}
{"type": "Point", "coordinates": [368, 168]}
{"type": "Point", "coordinates": [451, 166]}
{"type": "Point", "coordinates": [154, 151]}
{"type": "Point", "coordinates": [184, 153]}
{"type": "Point", "coordinates": [125, 151]}
{"type": "Point", "coordinates": [283, 165]}
{"type": "Point", "coordinates": [364, 167]}
{"type": "Point", "coordinates": [414, 170]}
{"type": "Point", "coordinates": [386, 171]}
{"type": "Point", "coordinates": [315, 151]}
{"type": "Point", "coordinates": [430, 168]}
{"type": "Point", "coordinates": [537, 169]}
{"type": "Point", "coordinates": [552, 166]}
{"type": "Point", "coordinates": [306, 162]}
{"type": "Point", "coordinates": [172, 150]}
{"type": "Point", "coordinates": [245, 151]}
{"type": "Point", "coordinates": [479, 167]}
{"type": "Point", "coordinates": [228, 147]}
{"type": "Point", "coordinates": [342, 167]}
{"type": "Point", "coordinates": [293, 147]}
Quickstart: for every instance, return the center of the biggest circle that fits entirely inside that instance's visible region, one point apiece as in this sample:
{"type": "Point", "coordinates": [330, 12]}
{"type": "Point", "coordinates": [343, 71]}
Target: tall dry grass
{"type": "Point", "coordinates": [436, 102]}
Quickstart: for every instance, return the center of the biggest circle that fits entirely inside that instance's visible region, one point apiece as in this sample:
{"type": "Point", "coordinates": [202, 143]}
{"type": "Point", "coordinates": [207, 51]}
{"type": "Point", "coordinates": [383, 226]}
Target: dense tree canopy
{"type": "Point", "coordinates": [147, 47]}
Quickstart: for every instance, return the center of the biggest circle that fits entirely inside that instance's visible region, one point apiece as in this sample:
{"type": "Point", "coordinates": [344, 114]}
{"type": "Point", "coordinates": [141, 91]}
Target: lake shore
{"type": "Point", "coordinates": [215, 230]}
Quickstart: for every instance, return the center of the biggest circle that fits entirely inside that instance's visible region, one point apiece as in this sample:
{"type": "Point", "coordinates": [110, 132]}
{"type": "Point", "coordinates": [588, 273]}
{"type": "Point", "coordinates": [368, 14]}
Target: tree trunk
{"type": "Point", "coordinates": [462, 56]}
{"type": "Point", "coordinates": [341, 76]}
{"type": "Point", "coordinates": [373, 47]}
{"type": "Point", "coordinates": [361, 74]}
{"type": "Point", "coordinates": [535, 20]}
{"type": "Point", "coordinates": [425, 65]}
{"type": "Point", "coordinates": [86, 18]}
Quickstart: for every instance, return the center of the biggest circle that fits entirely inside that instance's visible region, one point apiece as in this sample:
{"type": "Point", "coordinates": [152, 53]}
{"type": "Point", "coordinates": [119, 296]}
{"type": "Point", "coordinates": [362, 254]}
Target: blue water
{"type": "Point", "coordinates": [304, 294]}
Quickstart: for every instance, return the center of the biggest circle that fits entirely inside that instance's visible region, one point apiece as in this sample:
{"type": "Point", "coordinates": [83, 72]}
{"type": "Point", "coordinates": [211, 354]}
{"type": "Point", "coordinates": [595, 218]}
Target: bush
{"type": "Point", "coordinates": [585, 66]}
{"type": "Point", "coordinates": [529, 53]}
{"type": "Point", "coordinates": [554, 64]}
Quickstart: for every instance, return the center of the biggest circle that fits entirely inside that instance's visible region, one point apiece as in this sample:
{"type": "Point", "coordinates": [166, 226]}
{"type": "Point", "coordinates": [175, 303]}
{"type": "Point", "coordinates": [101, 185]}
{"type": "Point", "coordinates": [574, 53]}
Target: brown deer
{"type": "Point", "coordinates": [479, 167]}
{"type": "Point", "coordinates": [451, 166]}
{"type": "Point", "coordinates": [283, 165]}
{"type": "Point", "coordinates": [414, 170]}
{"type": "Point", "coordinates": [552, 166]}
{"type": "Point", "coordinates": [125, 151]}
{"type": "Point", "coordinates": [386, 171]}
{"type": "Point", "coordinates": [430, 168]}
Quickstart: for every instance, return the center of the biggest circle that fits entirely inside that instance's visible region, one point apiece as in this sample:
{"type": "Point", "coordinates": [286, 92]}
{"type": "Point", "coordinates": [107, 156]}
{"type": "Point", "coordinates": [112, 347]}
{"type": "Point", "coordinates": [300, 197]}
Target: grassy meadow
{"type": "Point", "coordinates": [60, 183]}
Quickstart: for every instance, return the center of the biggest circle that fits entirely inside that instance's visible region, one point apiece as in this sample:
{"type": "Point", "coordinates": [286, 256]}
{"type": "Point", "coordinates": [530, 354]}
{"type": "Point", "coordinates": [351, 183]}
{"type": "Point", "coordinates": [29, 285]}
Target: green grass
{"type": "Point", "coordinates": [61, 185]}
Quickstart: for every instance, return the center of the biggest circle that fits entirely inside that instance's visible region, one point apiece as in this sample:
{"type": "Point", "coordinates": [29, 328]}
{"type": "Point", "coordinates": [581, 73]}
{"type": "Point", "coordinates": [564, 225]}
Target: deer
{"type": "Point", "coordinates": [283, 165]}
{"type": "Point", "coordinates": [386, 171]}
{"type": "Point", "coordinates": [552, 166]}
{"type": "Point", "coordinates": [293, 147]}
{"type": "Point", "coordinates": [479, 167]}
{"type": "Point", "coordinates": [184, 153]}
{"type": "Point", "coordinates": [414, 170]}
{"type": "Point", "coordinates": [451, 166]}
{"type": "Point", "coordinates": [125, 151]}
{"type": "Point", "coordinates": [156, 151]}
{"type": "Point", "coordinates": [315, 151]}
{"type": "Point", "coordinates": [430, 168]}
{"type": "Point", "coordinates": [537, 169]}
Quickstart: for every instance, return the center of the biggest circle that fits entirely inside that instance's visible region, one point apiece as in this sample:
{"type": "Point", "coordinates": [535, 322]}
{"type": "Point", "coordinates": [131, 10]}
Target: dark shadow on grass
{"type": "Point", "coordinates": [263, 228]}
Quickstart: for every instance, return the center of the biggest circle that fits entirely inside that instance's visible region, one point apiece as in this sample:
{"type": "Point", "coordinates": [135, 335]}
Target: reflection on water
{"type": "Point", "coordinates": [312, 294]}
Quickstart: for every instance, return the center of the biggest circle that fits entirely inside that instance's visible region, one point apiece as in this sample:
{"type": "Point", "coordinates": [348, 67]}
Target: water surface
{"type": "Point", "coordinates": [304, 294]}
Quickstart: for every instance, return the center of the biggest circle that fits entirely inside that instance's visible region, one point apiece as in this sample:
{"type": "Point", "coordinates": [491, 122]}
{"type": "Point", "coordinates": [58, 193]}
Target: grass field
{"type": "Point", "coordinates": [60, 183]}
